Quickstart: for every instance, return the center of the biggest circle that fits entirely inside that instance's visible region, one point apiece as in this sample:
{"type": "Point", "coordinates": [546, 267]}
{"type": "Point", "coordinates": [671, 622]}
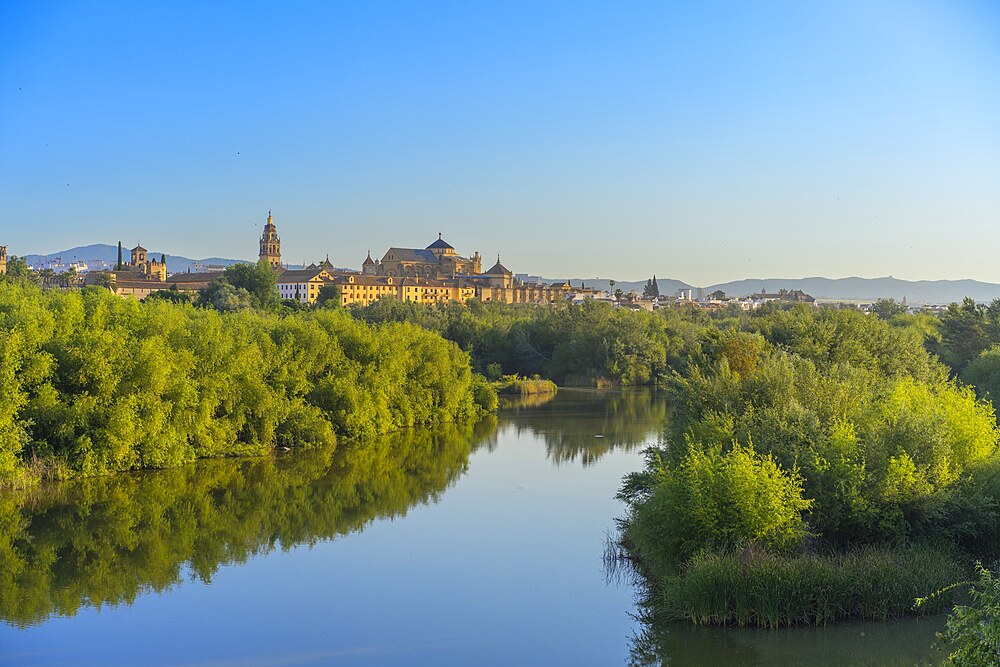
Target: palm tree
{"type": "Point", "coordinates": [68, 277]}
{"type": "Point", "coordinates": [107, 280]}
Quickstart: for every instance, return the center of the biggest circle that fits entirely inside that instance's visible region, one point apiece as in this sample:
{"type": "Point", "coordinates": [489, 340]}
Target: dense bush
{"type": "Point", "coordinates": [973, 631]}
{"type": "Point", "coordinates": [712, 498]}
{"type": "Point", "coordinates": [869, 446]}
{"type": "Point", "coordinates": [514, 384]}
{"type": "Point", "coordinates": [883, 447]}
{"type": "Point", "coordinates": [94, 383]}
{"type": "Point", "coordinates": [983, 373]}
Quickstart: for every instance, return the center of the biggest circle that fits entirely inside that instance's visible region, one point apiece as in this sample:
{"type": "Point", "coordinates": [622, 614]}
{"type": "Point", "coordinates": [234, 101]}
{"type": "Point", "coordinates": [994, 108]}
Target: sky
{"type": "Point", "coordinates": [703, 141]}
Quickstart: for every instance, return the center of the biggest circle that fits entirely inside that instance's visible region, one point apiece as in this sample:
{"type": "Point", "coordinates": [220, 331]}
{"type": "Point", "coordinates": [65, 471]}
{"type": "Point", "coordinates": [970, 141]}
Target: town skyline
{"type": "Point", "coordinates": [722, 141]}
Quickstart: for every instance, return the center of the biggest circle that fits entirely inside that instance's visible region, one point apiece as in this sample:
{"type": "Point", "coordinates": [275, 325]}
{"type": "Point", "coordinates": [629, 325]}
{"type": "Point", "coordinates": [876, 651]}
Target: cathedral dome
{"type": "Point", "coordinates": [440, 244]}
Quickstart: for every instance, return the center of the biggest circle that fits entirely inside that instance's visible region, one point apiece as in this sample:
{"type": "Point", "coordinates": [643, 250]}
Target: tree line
{"type": "Point", "coordinates": [94, 383]}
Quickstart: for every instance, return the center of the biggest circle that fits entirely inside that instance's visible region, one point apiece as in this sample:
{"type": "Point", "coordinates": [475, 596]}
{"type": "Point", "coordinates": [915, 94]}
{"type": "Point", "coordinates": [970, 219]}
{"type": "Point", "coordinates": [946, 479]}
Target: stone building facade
{"type": "Point", "coordinates": [270, 244]}
{"type": "Point", "coordinates": [438, 261]}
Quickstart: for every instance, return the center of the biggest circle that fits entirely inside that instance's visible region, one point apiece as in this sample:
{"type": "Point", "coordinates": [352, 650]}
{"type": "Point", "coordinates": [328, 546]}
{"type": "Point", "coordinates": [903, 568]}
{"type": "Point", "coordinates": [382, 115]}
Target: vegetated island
{"type": "Point", "coordinates": [521, 386]}
{"type": "Point", "coordinates": [822, 465]}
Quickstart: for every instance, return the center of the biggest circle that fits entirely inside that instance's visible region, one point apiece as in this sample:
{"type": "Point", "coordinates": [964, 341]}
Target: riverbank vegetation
{"type": "Point", "coordinates": [520, 386]}
{"type": "Point", "coordinates": [93, 383]}
{"type": "Point", "coordinates": [973, 630]}
{"type": "Point", "coordinates": [591, 344]}
{"type": "Point", "coordinates": [818, 465]}
{"type": "Point", "coordinates": [756, 587]}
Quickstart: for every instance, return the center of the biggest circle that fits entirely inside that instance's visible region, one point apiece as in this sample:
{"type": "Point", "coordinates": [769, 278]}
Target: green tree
{"type": "Point", "coordinates": [172, 295]}
{"type": "Point", "coordinates": [68, 277]}
{"type": "Point", "coordinates": [983, 373]}
{"type": "Point", "coordinates": [886, 309]}
{"type": "Point", "coordinates": [17, 269]}
{"type": "Point", "coordinates": [329, 296]}
{"type": "Point", "coordinates": [651, 289]}
{"type": "Point", "coordinates": [106, 279]}
{"type": "Point", "coordinates": [258, 280]}
{"type": "Point", "coordinates": [967, 330]}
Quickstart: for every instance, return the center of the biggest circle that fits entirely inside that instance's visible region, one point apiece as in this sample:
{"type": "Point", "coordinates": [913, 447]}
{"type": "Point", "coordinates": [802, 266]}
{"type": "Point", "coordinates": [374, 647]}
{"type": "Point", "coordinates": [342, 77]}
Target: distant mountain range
{"type": "Point", "coordinates": [847, 289]}
{"type": "Point", "coordinates": [101, 253]}
{"type": "Point", "coordinates": [870, 289]}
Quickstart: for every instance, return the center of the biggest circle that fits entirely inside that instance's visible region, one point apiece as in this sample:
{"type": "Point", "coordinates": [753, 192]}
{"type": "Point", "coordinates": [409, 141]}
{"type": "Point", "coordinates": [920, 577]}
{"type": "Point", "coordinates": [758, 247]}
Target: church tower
{"type": "Point", "coordinates": [3, 259]}
{"type": "Point", "coordinates": [270, 245]}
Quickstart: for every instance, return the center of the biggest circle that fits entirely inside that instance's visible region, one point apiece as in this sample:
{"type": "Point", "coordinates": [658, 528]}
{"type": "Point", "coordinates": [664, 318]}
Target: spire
{"type": "Point", "coordinates": [439, 236]}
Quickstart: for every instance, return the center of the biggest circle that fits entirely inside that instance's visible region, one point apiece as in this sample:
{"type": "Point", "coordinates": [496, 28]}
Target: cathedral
{"type": "Point", "coordinates": [438, 261]}
{"type": "Point", "coordinates": [435, 274]}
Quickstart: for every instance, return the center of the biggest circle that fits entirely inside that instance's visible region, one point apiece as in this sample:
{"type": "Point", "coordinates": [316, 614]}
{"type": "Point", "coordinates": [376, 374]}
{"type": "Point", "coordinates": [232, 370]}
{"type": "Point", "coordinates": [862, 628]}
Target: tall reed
{"type": "Point", "coordinates": [756, 588]}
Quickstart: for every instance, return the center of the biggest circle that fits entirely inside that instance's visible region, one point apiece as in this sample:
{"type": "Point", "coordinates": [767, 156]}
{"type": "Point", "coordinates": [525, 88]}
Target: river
{"type": "Point", "coordinates": [455, 545]}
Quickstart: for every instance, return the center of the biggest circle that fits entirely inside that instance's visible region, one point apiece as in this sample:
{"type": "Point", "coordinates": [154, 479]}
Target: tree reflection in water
{"type": "Point", "coordinates": [587, 424]}
{"type": "Point", "coordinates": [106, 541]}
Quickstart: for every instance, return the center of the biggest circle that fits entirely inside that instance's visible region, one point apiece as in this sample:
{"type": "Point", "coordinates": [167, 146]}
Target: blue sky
{"type": "Point", "coordinates": [699, 141]}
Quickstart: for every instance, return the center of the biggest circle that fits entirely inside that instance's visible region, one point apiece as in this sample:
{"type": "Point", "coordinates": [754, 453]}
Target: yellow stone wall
{"type": "Point", "coordinates": [366, 289]}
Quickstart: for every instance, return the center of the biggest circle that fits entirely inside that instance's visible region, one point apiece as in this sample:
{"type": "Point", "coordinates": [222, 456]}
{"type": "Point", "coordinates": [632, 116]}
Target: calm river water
{"type": "Point", "coordinates": [454, 546]}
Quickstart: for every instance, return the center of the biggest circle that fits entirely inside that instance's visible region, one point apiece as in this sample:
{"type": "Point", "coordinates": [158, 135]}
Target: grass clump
{"type": "Point", "coordinates": [521, 386]}
{"type": "Point", "coordinates": [755, 588]}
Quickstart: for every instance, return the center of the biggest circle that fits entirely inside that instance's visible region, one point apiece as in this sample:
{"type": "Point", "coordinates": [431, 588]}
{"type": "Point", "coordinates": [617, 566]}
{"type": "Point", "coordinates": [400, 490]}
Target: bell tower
{"type": "Point", "coordinates": [270, 244]}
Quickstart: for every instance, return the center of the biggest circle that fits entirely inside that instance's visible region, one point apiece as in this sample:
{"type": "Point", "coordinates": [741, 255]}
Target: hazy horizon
{"type": "Point", "coordinates": [715, 142]}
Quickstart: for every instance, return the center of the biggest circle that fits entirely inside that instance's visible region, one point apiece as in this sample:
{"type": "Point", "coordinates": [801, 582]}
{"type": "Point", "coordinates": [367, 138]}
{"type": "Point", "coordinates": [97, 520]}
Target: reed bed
{"type": "Point", "coordinates": [755, 588]}
{"type": "Point", "coordinates": [520, 386]}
